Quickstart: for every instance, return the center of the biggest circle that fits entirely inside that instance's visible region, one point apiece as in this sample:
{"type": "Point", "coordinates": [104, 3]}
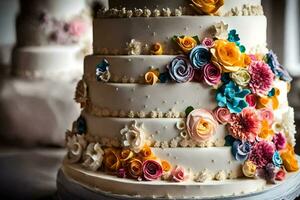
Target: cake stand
{"type": "Point", "coordinates": [288, 190]}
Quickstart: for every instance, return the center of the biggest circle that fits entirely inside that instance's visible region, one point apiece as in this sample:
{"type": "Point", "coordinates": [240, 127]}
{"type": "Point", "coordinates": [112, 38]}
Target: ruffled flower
{"type": "Point", "coordinates": [156, 49]}
{"type": "Point", "coordinates": [208, 42]}
{"type": "Point", "coordinates": [267, 114]}
{"type": "Point", "coordinates": [280, 175]}
{"type": "Point", "coordinates": [241, 77]}
{"type": "Point", "coordinates": [276, 68]}
{"type": "Point", "coordinates": [221, 30]}
{"type": "Point", "coordinates": [152, 170]}
{"type": "Point", "coordinates": [125, 155]}
{"type": "Point", "coordinates": [261, 78]}
{"type": "Point", "coordinates": [262, 153]}
{"type": "Point", "coordinates": [240, 150]}
{"type": "Point", "coordinates": [93, 156]}
{"type": "Point", "coordinates": [135, 168]}
{"type": "Point", "coordinates": [186, 43]}
{"type": "Point", "coordinates": [289, 159]}
{"type": "Point", "coordinates": [280, 141]}
{"type": "Point", "coordinates": [102, 71]}
{"type": "Point", "coordinates": [133, 137]}
{"type": "Point", "coordinates": [112, 159]}
{"type": "Point", "coordinates": [75, 145]}
{"type": "Point", "coordinates": [245, 126]}
{"type": "Point", "coordinates": [288, 125]}
{"type": "Point", "coordinates": [181, 70]}
{"type": "Point", "coordinates": [146, 153]}
{"type": "Point", "coordinates": [249, 169]}
{"type": "Point", "coordinates": [201, 125]}
{"type": "Point", "coordinates": [207, 7]}
{"type": "Point", "coordinates": [277, 161]}
{"type": "Point", "coordinates": [200, 56]}
{"type": "Point", "coordinates": [222, 115]}
{"type": "Point", "coordinates": [232, 97]}
{"type": "Point", "coordinates": [228, 56]}
{"type": "Point", "coordinates": [251, 99]}
{"type": "Point", "coordinates": [134, 47]}
{"type": "Point", "coordinates": [177, 174]}
{"type": "Point", "coordinates": [151, 77]}
{"type": "Point", "coordinates": [211, 74]}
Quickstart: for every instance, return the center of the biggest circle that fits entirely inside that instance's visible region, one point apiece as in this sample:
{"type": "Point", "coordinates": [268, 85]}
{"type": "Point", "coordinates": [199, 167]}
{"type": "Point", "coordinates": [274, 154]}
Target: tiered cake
{"type": "Point", "coordinates": [53, 36]}
{"type": "Point", "coordinates": [181, 99]}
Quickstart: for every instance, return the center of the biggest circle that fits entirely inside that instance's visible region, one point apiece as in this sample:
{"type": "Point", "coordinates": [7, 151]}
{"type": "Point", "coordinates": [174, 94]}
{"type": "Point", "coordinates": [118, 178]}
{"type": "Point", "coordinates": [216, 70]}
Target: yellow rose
{"type": "Point", "coordinates": [156, 49]}
{"type": "Point", "coordinates": [151, 77]}
{"type": "Point", "coordinates": [146, 153]}
{"type": "Point", "coordinates": [135, 168]}
{"type": "Point", "coordinates": [111, 159]}
{"type": "Point", "coordinates": [289, 159]}
{"type": "Point", "coordinates": [165, 165]}
{"type": "Point", "coordinates": [186, 43]}
{"type": "Point", "coordinates": [207, 6]}
{"type": "Point", "coordinates": [228, 56]}
{"type": "Point", "coordinates": [125, 155]}
{"type": "Point", "coordinates": [249, 169]}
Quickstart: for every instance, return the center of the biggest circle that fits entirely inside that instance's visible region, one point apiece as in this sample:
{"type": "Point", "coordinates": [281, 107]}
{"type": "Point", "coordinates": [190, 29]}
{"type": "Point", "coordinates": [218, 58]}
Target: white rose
{"type": "Point", "coordinates": [133, 137]}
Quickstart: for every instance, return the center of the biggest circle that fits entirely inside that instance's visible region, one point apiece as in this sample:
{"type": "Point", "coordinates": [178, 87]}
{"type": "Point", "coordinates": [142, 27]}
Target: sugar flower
{"type": "Point", "coordinates": [222, 115]}
{"type": "Point", "coordinates": [262, 153]}
{"type": "Point", "coordinates": [269, 173]}
{"type": "Point", "coordinates": [240, 150]}
{"type": "Point", "coordinates": [125, 155]}
{"type": "Point", "coordinates": [261, 78]}
{"type": "Point", "coordinates": [208, 42]}
{"type": "Point", "coordinates": [151, 77]}
{"type": "Point", "coordinates": [180, 69]}
{"type": "Point", "coordinates": [280, 141]}
{"type": "Point", "coordinates": [112, 159]}
{"type": "Point", "coordinates": [288, 125]}
{"type": "Point", "coordinates": [201, 125]}
{"type": "Point", "coordinates": [241, 77]}
{"type": "Point", "coordinates": [133, 137]}
{"type": "Point", "coordinates": [289, 159]}
{"type": "Point", "coordinates": [186, 43]}
{"type": "Point", "coordinates": [207, 7]}
{"type": "Point", "coordinates": [211, 74]}
{"type": "Point", "coordinates": [152, 170]}
{"type": "Point", "coordinates": [280, 175]}
{"type": "Point", "coordinates": [134, 47]}
{"type": "Point", "coordinates": [245, 126]}
{"type": "Point", "coordinates": [178, 174]}
{"type": "Point", "coordinates": [156, 49]}
{"type": "Point", "coordinates": [267, 114]}
{"type": "Point", "coordinates": [232, 97]}
{"type": "Point", "coordinates": [121, 173]}
{"type": "Point", "coordinates": [249, 169]}
{"type": "Point", "coordinates": [135, 168]}
{"type": "Point", "coordinates": [251, 99]}
{"type": "Point", "coordinates": [93, 156]}
{"type": "Point", "coordinates": [200, 56]}
{"type": "Point", "coordinates": [75, 145]}
{"type": "Point", "coordinates": [266, 132]}
{"type": "Point", "coordinates": [102, 71]}
{"type": "Point", "coordinates": [221, 30]}
{"type": "Point", "coordinates": [277, 161]}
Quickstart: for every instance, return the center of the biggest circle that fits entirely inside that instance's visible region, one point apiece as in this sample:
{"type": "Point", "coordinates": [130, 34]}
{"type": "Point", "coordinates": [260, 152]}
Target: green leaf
{"type": "Point", "coordinates": [188, 110]}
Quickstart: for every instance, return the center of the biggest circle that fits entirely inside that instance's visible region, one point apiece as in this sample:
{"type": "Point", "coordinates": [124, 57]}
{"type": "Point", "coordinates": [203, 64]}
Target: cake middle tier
{"type": "Point", "coordinates": [111, 99]}
{"type": "Point", "coordinates": [111, 35]}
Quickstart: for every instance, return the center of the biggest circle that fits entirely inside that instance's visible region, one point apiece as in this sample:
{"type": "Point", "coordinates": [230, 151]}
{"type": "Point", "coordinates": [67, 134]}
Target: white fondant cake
{"type": "Point", "coordinates": [181, 99]}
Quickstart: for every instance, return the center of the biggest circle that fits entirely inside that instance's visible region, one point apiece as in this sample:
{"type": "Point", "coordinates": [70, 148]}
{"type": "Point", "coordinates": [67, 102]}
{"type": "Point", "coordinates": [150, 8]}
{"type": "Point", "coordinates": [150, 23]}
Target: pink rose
{"type": "Point", "coordinates": [152, 170]}
{"type": "Point", "coordinates": [208, 42]}
{"type": "Point", "coordinates": [201, 125]}
{"type": "Point", "coordinates": [280, 175]}
{"type": "Point", "coordinates": [222, 115]}
{"type": "Point", "coordinates": [177, 174]}
{"type": "Point", "coordinates": [77, 27]}
{"type": "Point", "coordinates": [251, 100]}
{"type": "Point", "coordinates": [267, 114]}
{"type": "Point", "coordinates": [211, 74]}
{"type": "Point", "coordinates": [252, 57]}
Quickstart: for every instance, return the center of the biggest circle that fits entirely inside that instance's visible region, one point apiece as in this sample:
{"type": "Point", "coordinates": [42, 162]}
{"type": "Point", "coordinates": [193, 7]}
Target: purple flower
{"type": "Point", "coordinates": [279, 141]}
{"type": "Point", "coordinates": [181, 70]}
{"type": "Point", "coordinates": [200, 56]}
{"type": "Point", "coordinates": [211, 74]}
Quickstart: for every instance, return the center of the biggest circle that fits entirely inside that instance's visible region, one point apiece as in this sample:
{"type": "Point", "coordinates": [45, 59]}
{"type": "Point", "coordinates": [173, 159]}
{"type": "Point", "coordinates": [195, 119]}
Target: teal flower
{"type": "Point", "coordinates": [233, 36]}
{"type": "Point", "coordinates": [232, 97]}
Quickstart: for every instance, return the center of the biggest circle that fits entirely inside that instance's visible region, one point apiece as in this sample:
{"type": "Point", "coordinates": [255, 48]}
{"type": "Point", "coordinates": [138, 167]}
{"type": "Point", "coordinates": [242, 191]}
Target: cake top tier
{"type": "Point", "coordinates": [220, 7]}
{"type": "Point", "coordinates": [57, 8]}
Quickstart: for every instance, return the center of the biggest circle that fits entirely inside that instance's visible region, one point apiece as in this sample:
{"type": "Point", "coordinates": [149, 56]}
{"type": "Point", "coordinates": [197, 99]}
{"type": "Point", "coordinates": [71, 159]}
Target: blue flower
{"type": "Point", "coordinates": [81, 125]}
{"type": "Point", "coordinates": [275, 66]}
{"type": "Point", "coordinates": [181, 70]}
{"type": "Point", "coordinates": [277, 161]}
{"type": "Point", "coordinates": [200, 56]}
{"type": "Point", "coordinates": [240, 150]}
{"type": "Point", "coordinates": [232, 96]}
{"type": "Point", "coordinates": [102, 71]}
{"type": "Point", "coordinates": [233, 36]}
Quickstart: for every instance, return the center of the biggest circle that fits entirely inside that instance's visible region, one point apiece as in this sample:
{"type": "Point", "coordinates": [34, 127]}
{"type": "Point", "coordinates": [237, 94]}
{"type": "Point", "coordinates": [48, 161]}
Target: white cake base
{"type": "Point", "coordinates": [68, 188]}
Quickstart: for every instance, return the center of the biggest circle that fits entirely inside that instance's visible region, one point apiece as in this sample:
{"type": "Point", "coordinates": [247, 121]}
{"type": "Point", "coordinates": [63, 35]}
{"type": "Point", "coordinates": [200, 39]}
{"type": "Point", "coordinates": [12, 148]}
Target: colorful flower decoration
{"type": "Point", "coordinates": [221, 30]}
{"type": "Point", "coordinates": [245, 126]}
{"type": "Point", "coordinates": [241, 77]}
{"type": "Point", "coordinates": [266, 131]}
{"type": "Point", "coordinates": [180, 69]}
{"type": "Point", "coordinates": [200, 56]}
{"type": "Point", "coordinates": [261, 78]}
{"type": "Point", "coordinates": [234, 37]}
{"type": "Point", "coordinates": [249, 169]}
{"type": "Point", "coordinates": [178, 174]}
{"type": "Point", "coordinates": [135, 168]}
{"type": "Point", "coordinates": [207, 7]}
{"type": "Point", "coordinates": [211, 74]}
{"type": "Point", "coordinates": [268, 173]}
{"type": "Point", "coordinates": [251, 99]}
{"type": "Point", "coordinates": [232, 97]}
{"type": "Point", "coordinates": [222, 115]}
{"type": "Point", "coordinates": [201, 125]}
{"type": "Point", "coordinates": [152, 170]}
{"type": "Point", "coordinates": [156, 49]}
{"type": "Point", "coordinates": [208, 42]}
{"type": "Point", "coordinates": [262, 153]}
{"type": "Point", "coordinates": [111, 159]}
{"type": "Point", "coordinates": [271, 100]}
{"type": "Point", "coordinates": [280, 141]}
{"type": "Point", "coordinates": [240, 150]}
{"type": "Point", "coordinates": [93, 156]}
{"type": "Point", "coordinates": [102, 71]}
{"type": "Point", "coordinates": [280, 175]}
{"type": "Point", "coordinates": [81, 125]}
{"type": "Point", "coordinates": [133, 137]}
{"type": "Point", "coordinates": [152, 77]}
{"type": "Point", "coordinates": [277, 161]}
{"type": "Point", "coordinates": [289, 159]}
{"type": "Point", "coordinates": [186, 43]}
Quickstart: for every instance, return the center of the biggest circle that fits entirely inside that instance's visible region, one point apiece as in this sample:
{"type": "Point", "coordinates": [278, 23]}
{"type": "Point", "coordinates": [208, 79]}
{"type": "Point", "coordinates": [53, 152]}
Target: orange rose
{"type": "Point", "coordinates": [228, 56]}
{"type": "Point", "coordinates": [146, 153]}
{"type": "Point", "coordinates": [207, 6]}
{"type": "Point", "coordinates": [156, 49]}
{"type": "Point", "coordinates": [165, 165]}
{"type": "Point", "coordinates": [135, 168]}
{"type": "Point", "coordinates": [111, 159]}
{"type": "Point", "coordinates": [186, 43]}
{"type": "Point", "coordinates": [289, 159]}
{"type": "Point", "coordinates": [125, 155]}
{"type": "Point", "coordinates": [151, 77]}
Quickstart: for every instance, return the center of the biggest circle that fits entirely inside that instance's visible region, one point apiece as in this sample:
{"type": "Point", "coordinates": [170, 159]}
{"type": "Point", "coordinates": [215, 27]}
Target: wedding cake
{"type": "Point", "coordinates": [181, 99]}
{"type": "Point", "coordinates": [53, 36]}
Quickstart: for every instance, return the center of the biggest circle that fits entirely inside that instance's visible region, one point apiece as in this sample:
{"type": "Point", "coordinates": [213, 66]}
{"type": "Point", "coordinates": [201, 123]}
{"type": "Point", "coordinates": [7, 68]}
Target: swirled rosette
{"type": "Point", "coordinates": [181, 70]}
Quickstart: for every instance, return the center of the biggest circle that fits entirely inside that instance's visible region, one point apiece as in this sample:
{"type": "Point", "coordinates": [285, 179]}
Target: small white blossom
{"type": "Point", "coordinates": [133, 137]}
{"type": "Point", "coordinates": [93, 156]}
